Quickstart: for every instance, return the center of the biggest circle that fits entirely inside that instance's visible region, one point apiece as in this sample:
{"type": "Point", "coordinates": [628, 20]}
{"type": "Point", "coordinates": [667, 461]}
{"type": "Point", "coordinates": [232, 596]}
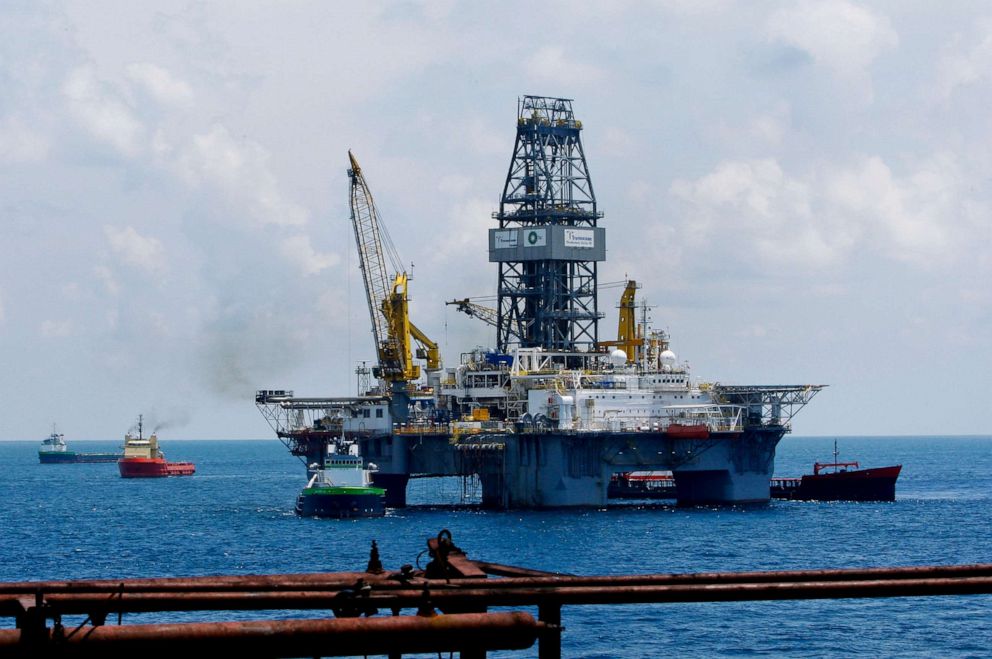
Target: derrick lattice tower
{"type": "Point", "coordinates": [547, 244]}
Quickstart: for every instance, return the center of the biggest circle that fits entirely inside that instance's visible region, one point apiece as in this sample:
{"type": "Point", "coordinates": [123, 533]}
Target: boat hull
{"type": "Point", "coordinates": [153, 468]}
{"type": "Point", "coordinates": [70, 457]}
{"type": "Point", "coordinates": [642, 486]}
{"type": "Point", "coordinates": [878, 484]}
{"type": "Point", "coordinates": [341, 502]}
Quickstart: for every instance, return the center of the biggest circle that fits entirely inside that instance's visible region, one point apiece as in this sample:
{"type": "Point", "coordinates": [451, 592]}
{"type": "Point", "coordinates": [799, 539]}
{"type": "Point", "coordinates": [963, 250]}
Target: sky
{"type": "Point", "coordinates": [801, 188]}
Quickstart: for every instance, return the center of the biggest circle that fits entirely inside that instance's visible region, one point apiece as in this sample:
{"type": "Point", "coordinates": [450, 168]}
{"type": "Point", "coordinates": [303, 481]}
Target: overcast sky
{"type": "Point", "coordinates": [803, 188]}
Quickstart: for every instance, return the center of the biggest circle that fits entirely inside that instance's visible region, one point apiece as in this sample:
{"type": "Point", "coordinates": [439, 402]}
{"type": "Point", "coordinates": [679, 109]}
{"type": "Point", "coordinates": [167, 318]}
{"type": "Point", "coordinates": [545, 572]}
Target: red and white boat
{"type": "Point", "coordinates": [144, 459]}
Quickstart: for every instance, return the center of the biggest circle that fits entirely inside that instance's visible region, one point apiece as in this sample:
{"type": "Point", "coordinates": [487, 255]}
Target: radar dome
{"type": "Point", "coordinates": [618, 357]}
{"type": "Point", "coordinates": [668, 358]}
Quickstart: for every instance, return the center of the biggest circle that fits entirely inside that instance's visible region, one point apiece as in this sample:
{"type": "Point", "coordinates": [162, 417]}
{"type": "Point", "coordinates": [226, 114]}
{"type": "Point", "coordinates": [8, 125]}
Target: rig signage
{"type": "Point", "coordinates": [584, 238]}
{"type": "Point", "coordinates": [556, 242]}
{"type": "Point", "coordinates": [536, 237]}
{"type": "Point", "coordinates": [505, 239]}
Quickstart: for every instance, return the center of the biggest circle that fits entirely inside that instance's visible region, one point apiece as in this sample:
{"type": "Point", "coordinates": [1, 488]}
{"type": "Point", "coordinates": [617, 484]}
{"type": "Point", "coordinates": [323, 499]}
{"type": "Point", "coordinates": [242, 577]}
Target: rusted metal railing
{"type": "Point", "coordinates": [342, 637]}
{"type": "Point", "coordinates": [463, 590]}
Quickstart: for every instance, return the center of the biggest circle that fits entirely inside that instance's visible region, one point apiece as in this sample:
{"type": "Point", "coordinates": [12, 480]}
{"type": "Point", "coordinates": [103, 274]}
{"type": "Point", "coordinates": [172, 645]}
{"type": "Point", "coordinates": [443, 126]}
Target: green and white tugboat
{"type": "Point", "coordinates": [341, 488]}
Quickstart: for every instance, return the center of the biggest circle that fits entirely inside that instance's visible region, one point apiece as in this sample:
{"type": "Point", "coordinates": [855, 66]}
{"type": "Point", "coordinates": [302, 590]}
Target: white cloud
{"type": "Point", "coordinates": [19, 142]}
{"type": "Point", "coordinates": [912, 216]}
{"type": "Point", "coordinates": [754, 209]}
{"type": "Point", "coordinates": [483, 138]}
{"type": "Point", "coordinates": [106, 277]}
{"type": "Point", "coordinates": [961, 65]}
{"type": "Point", "coordinates": [767, 130]}
{"type": "Point", "coordinates": [72, 290]}
{"type": "Point", "coordinates": [695, 7]}
{"type": "Point", "coordinates": [55, 329]}
{"type": "Point", "coordinates": [454, 184]}
{"type": "Point", "coordinates": [137, 250]}
{"type": "Point", "coordinates": [640, 191]}
{"type": "Point", "coordinates": [299, 250]}
{"type": "Point", "coordinates": [553, 64]}
{"type": "Point", "coordinates": [218, 121]}
{"type": "Point", "coordinates": [161, 146]}
{"type": "Point", "coordinates": [240, 169]}
{"type": "Point", "coordinates": [617, 142]}
{"type": "Point", "coordinates": [458, 240]}
{"type": "Point", "coordinates": [161, 84]}
{"type": "Point", "coordinates": [759, 209]}
{"type": "Point", "coordinates": [105, 115]}
{"type": "Point", "coordinates": [839, 35]}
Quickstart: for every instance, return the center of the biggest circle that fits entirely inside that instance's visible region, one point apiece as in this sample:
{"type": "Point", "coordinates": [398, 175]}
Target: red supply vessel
{"type": "Point", "coordinates": [143, 458]}
{"type": "Point", "coordinates": [839, 481]}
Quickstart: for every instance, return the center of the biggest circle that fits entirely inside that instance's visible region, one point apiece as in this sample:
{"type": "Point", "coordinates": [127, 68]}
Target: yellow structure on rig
{"type": "Point", "coordinates": [629, 337]}
{"type": "Point", "coordinates": [389, 302]}
{"type": "Point", "coordinates": [396, 309]}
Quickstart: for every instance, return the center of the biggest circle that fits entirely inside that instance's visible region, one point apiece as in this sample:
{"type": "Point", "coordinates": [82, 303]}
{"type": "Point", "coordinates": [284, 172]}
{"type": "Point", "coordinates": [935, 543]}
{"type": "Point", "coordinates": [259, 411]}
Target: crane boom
{"type": "Point", "coordinates": [386, 295]}
{"type": "Point", "coordinates": [369, 240]}
{"type": "Point", "coordinates": [428, 349]}
{"type": "Point", "coordinates": [488, 315]}
{"type": "Point", "coordinates": [485, 314]}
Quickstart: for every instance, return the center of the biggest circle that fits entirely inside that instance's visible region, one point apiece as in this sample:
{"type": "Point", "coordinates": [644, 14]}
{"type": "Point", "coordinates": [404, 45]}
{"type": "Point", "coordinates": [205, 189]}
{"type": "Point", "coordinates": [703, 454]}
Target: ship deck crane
{"type": "Point", "coordinates": [628, 338]}
{"type": "Point", "coordinates": [387, 296]}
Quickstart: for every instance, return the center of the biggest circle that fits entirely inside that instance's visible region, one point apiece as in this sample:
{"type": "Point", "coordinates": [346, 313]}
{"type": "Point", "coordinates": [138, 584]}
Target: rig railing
{"type": "Point", "coordinates": [461, 589]}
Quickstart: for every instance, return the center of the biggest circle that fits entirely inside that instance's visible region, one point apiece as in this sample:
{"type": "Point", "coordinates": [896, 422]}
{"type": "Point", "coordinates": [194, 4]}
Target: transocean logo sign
{"type": "Point", "coordinates": [585, 238]}
{"type": "Point", "coordinates": [535, 237]}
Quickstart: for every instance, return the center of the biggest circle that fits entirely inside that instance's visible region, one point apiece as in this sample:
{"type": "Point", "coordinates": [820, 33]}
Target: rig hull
{"type": "Point", "coordinates": [568, 469]}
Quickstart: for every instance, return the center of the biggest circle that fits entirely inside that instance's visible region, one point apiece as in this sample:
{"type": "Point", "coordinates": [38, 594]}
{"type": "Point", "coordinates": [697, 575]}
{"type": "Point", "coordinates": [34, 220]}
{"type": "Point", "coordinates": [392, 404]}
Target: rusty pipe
{"type": "Point", "coordinates": [290, 638]}
{"type": "Point", "coordinates": [255, 582]}
{"type": "Point", "coordinates": [496, 595]}
{"type": "Point", "coordinates": [344, 580]}
{"type": "Point", "coordinates": [780, 576]}
{"type": "Point", "coordinates": [578, 595]}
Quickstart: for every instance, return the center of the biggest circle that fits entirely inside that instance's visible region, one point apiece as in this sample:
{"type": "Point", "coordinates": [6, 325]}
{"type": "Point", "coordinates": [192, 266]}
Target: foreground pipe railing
{"type": "Point", "coordinates": [396, 581]}
{"type": "Point", "coordinates": [471, 633]}
{"type": "Point", "coordinates": [496, 595]}
{"type": "Point", "coordinates": [451, 583]}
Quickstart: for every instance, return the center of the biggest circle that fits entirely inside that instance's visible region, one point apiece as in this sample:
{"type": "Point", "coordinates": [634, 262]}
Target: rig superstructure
{"type": "Point", "coordinates": [552, 412]}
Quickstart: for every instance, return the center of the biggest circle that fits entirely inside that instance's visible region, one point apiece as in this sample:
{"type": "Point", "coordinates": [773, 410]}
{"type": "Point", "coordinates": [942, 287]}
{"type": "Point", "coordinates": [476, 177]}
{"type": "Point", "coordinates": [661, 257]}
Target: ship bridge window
{"type": "Point", "coordinates": [365, 413]}
{"type": "Point", "coordinates": [378, 413]}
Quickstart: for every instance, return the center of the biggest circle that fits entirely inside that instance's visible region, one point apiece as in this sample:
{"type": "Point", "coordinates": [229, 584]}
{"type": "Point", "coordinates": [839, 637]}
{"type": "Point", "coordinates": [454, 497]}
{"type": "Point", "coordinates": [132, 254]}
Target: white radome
{"type": "Point", "coordinates": [618, 357]}
{"type": "Point", "coordinates": [668, 358]}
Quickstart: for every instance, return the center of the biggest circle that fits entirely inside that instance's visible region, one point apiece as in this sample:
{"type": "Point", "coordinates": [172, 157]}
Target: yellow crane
{"type": "Point", "coordinates": [387, 295]}
{"type": "Point", "coordinates": [627, 334]}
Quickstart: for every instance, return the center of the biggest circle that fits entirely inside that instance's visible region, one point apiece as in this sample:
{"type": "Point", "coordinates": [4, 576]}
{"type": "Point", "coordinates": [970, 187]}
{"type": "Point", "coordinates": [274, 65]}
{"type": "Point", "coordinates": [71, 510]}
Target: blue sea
{"type": "Point", "coordinates": [235, 516]}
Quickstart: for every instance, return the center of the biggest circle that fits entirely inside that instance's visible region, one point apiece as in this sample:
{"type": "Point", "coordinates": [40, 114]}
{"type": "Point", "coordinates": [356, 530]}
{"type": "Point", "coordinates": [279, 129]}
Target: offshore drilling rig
{"type": "Point", "coordinates": [547, 416]}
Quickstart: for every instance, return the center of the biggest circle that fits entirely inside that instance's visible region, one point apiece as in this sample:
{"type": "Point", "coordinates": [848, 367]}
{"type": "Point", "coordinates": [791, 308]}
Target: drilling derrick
{"type": "Point", "coordinates": [547, 244]}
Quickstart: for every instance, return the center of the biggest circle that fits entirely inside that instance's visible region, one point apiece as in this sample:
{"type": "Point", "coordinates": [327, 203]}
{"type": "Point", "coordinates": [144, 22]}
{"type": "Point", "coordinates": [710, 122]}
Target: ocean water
{"type": "Point", "coordinates": [235, 517]}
